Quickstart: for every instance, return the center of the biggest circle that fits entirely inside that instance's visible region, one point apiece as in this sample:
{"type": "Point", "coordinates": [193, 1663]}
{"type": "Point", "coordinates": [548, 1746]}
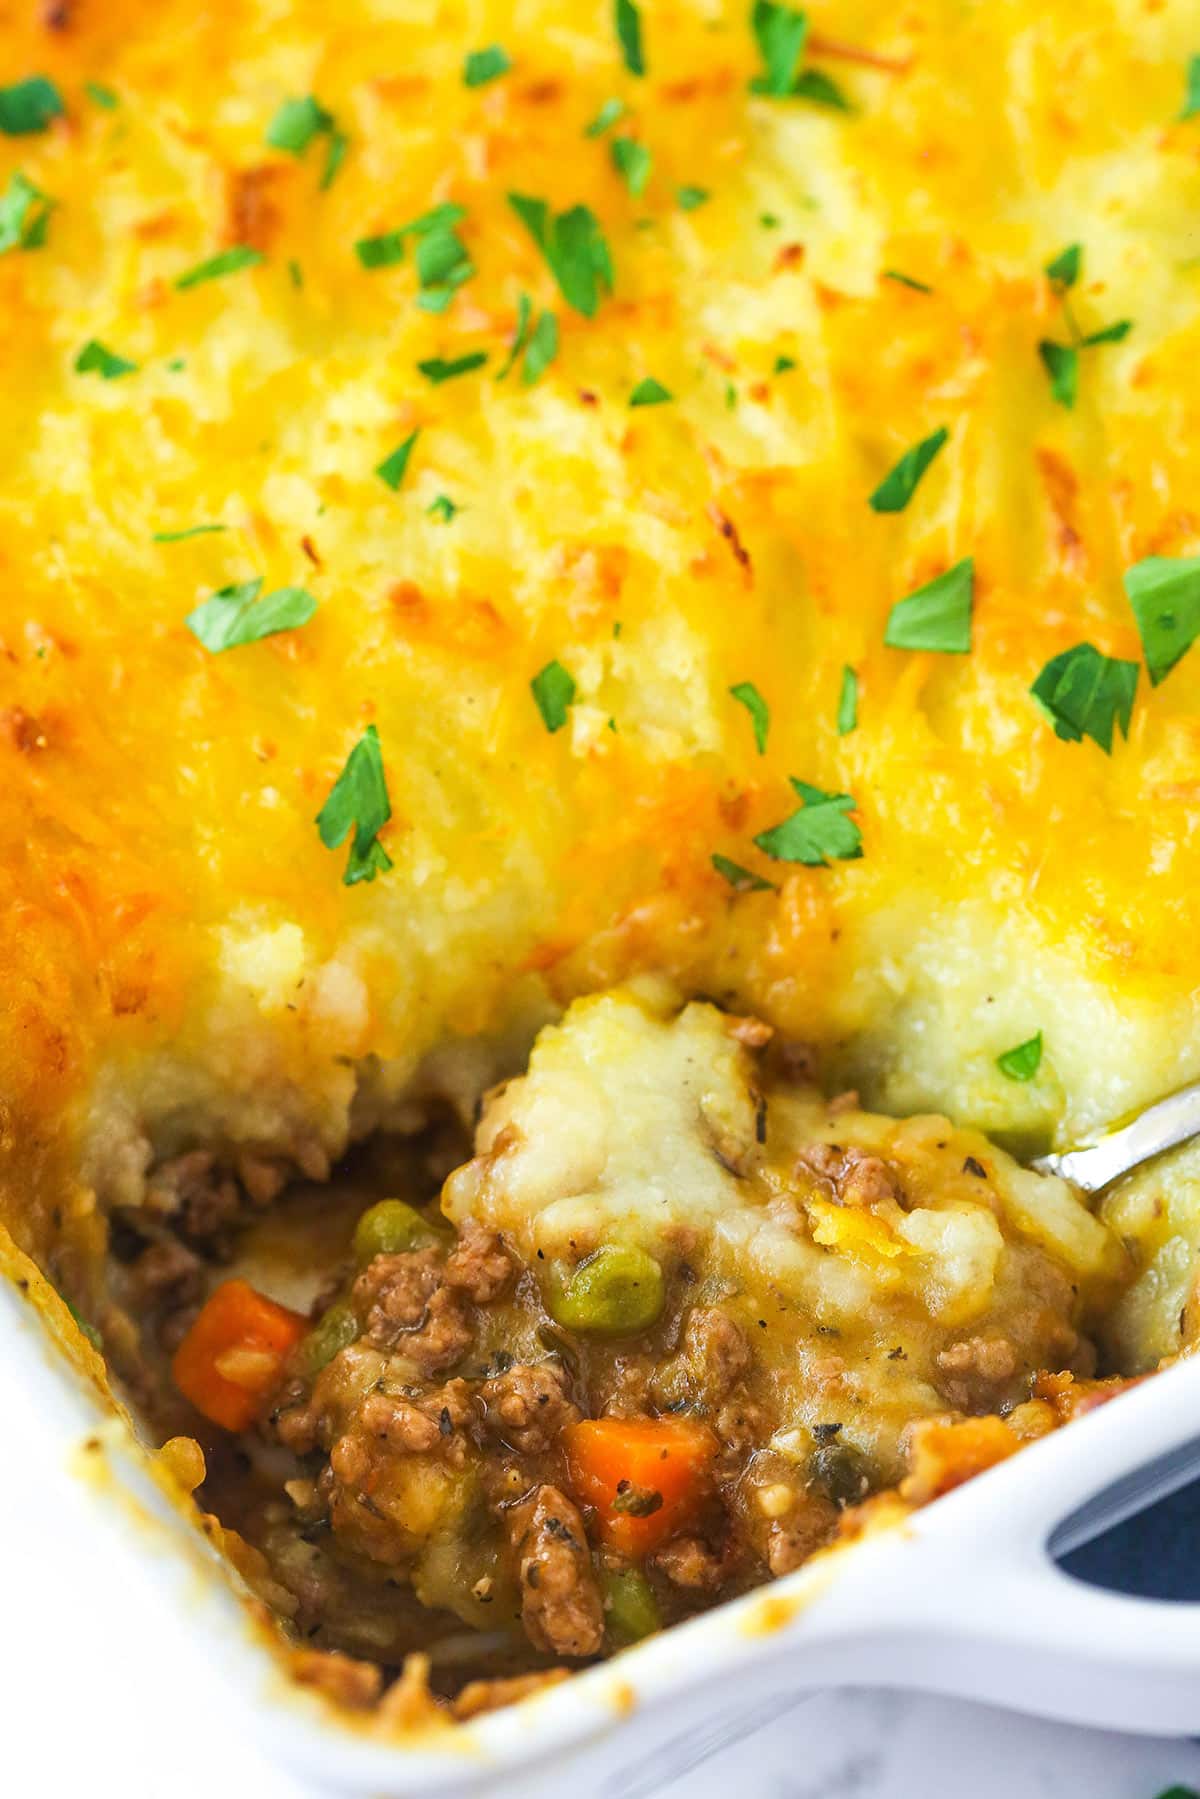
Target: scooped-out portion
{"type": "Point", "coordinates": [678, 1320]}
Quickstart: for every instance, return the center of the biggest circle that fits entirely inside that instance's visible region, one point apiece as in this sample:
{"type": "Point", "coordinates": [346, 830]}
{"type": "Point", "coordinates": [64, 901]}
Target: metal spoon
{"type": "Point", "coordinates": [1162, 1126]}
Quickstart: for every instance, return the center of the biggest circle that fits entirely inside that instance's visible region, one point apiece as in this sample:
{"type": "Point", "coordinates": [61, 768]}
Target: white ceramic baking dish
{"type": "Point", "coordinates": [963, 1598]}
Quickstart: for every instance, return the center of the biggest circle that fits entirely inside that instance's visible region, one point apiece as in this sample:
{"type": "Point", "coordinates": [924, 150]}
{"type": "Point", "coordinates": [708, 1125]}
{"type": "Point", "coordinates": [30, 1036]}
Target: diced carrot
{"type": "Point", "coordinates": [644, 1476]}
{"type": "Point", "coordinates": [234, 1353]}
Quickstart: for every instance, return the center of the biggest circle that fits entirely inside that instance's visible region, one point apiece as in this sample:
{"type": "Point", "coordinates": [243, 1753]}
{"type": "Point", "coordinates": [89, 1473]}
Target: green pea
{"type": "Point", "coordinates": [615, 1293]}
{"type": "Point", "coordinates": [337, 1329]}
{"type": "Point", "coordinates": [630, 1608]}
{"type": "Point", "coordinates": [389, 1228]}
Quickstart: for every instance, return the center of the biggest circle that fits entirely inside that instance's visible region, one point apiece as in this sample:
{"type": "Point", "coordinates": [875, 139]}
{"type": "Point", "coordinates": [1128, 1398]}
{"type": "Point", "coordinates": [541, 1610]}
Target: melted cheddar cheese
{"type": "Point", "coordinates": [182, 962]}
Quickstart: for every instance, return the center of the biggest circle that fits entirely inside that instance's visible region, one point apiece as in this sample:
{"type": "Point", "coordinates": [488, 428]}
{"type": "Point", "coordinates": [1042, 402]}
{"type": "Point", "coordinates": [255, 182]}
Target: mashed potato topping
{"type": "Point", "coordinates": [245, 347]}
{"type": "Point", "coordinates": [892, 1252]}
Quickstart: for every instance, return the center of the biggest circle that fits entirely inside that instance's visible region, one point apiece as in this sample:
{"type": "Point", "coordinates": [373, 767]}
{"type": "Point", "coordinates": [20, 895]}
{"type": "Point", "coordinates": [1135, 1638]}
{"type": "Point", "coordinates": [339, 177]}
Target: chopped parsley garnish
{"type": "Point", "coordinates": [900, 484]}
{"type": "Point", "coordinates": [1191, 101]}
{"type": "Point", "coordinates": [443, 265]}
{"type": "Point", "coordinates": [822, 89]}
{"type": "Point", "coordinates": [689, 198]}
{"type": "Point", "coordinates": [1062, 365]}
{"type": "Point", "coordinates": [1086, 694]}
{"type": "Point", "coordinates": [482, 66]}
{"type": "Point", "coordinates": [783, 364]}
{"type": "Point", "coordinates": [520, 337]}
{"type": "Point", "coordinates": [359, 801]}
{"type": "Point", "coordinates": [24, 214]}
{"type": "Point", "coordinates": [650, 392]}
{"type": "Point", "coordinates": [1064, 268]}
{"type": "Point", "coordinates": [543, 348]}
{"type": "Point", "coordinates": [188, 531]}
{"type": "Point", "coordinates": [902, 280]}
{"type": "Point", "coordinates": [847, 712]}
{"type": "Point", "coordinates": [29, 106]}
{"type": "Point", "coordinates": [1061, 361]}
{"type": "Point", "coordinates": [742, 880]}
{"type": "Point", "coordinates": [553, 690]}
{"type": "Point", "coordinates": [235, 615]}
{"type": "Point", "coordinates": [747, 695]}
{"type": "Point", "coordinates": [633, 162]}
{"type": "Point", "coordinates": [339, 143]}
{"type": "Point", "coordinates": [95, 359]}
{"type": "Point", "coordinates": [819, 831]}
{"type": "Point", "coordinates": [295, 273]}
{"type": "Point", "coordinates": [443, 507]}
{"type": "Point", "coordinates": [225, 262]}
{"type": "Point", "coordinates": [574, 247]}
{"type": "Point", "coordinates": [609, 113]}
{"type": "Point", "coordinates": [1023, 1061]}
{"type": "Point", "coordinates": [770, 221]}
{"type": "Point", "coordinates": [629, 35]}
{"type": "Point", "coordinates": [391, 469]}
{"type": "Point", "coordinates": [437, 369]}
{"type": "Point", "coordinates": [297, 122]}
{"type": "Point", "coordinates": [382, 251]}
{"type": "Point", "coordinates": [100, 95]}
{"type": "Point", "coordinates": [780, 32]}
{"type": "Point", "coordinates": [937, 616]}
{"type": "Point", "coordinates": [1164, 592]}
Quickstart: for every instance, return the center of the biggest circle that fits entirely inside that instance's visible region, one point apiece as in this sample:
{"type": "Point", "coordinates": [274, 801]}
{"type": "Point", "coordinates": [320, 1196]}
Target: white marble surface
{"type": "Point", "coordinates": [872, 1745]}
{"type": "Point", "coordinates": [849, 1745]}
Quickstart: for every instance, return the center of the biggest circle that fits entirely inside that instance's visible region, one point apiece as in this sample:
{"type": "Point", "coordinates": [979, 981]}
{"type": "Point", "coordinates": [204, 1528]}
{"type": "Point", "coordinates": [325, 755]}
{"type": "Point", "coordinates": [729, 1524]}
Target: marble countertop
{"type": "Point", "coordinates": [876, 1745]}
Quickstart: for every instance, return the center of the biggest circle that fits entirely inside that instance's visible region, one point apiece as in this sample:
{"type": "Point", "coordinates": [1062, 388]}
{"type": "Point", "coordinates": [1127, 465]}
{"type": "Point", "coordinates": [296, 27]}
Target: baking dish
{"type": "Point", "coordinates": [959, 1598]}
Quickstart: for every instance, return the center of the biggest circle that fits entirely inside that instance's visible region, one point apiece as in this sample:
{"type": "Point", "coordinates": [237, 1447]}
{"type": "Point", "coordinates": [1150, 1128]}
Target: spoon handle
{"type": "Point", "coordinates": [1162, 1126]}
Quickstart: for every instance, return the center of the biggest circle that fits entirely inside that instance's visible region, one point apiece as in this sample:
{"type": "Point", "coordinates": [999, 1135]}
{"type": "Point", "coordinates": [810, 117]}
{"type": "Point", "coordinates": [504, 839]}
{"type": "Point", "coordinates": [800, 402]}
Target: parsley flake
{"type": "Point", "coordinates": [1022, 1062]}
{"type": "Point", "coordinates": [650, 392]}
{"type": "Point", "coordinates": [1191, 102]}
{"type": "Point", "coordinates": [783, 364]}
{"type": "Point", "coordinates": [609, 113]}
{"type": "Point", "coordinates": [443, 508]}
{"type": "Point", "coordinates": [1062, 365]}
{"type": "Point", "coordinates": [780, 32]}
{"type": "Point", "coordinates": [747, 695]}
{"type": "Point", "coordinates": [742, 880]}
{"type": "Point", "coordinates": [297, 122]}
{"type": "Point", "coordinates": [1061, 361]}
{"type": "Point", "coordinates": [339, 143]}
{"type": "Point", "coordinates": [900, 484]}
{"type": "Point", "coordinates": [822, 89]}
{"type": "Point", "coordinates": [633, 162]}
{"type": "Point", "coordinates": [629, 35]}
{"type": "Point", "coordinates": [443, 265]}
{"type": "Point", "coordinates": [1084, 693]}
{"type": "Point", "coordinates": [101, 96]}
{"type": "Point", "coordinates": [225, 262]}
{"type": "Point", "coordinates": [520, 337]}
{"type": "Point", "coordinates": [543, 348]}
{"type": "Point", "coordinates": [847, 712]}
{"type": "Point", "coordinates": [382, 251]}
{"type": "Point", "coordinates": [24, 214]}
{"type": "Point", "coordinates": [437, 369]}
{"type": "Point", "coordinates": [359, 801]}
{"type": "Point", "coordinates": [1064, 269]}
{"type": "Point", "coordinates": [482, 66]}
{"type": "Point", "coordinates": [95, 359]}
{"type": "Point", "coordinates": [689, 198]}
{"type": "Point", "coordinates": [391, 469]}
{"type": "Point", "coordinates": [553, 691]}
{"type": "Point", "coordinates": [235, 615]}
{"type": "Point", "coordinates": [574, 247]}
{"type": "Point", "coordinates": [820, 830]}
{"type": "Point", "coordinates": [937, 616]}
{"type": "Point", "coordinates": [902, 280]}
{"type": "Point", "coordinates": [1164, 592]}
{"type": "Point", "coordinates": [188, 531]}
{"type": "Point", "coordinates": [28, 106]}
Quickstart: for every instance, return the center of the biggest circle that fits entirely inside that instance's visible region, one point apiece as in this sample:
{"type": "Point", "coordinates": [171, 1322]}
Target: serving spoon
{"type": "Point", "coordinates": [1093, 1167]}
